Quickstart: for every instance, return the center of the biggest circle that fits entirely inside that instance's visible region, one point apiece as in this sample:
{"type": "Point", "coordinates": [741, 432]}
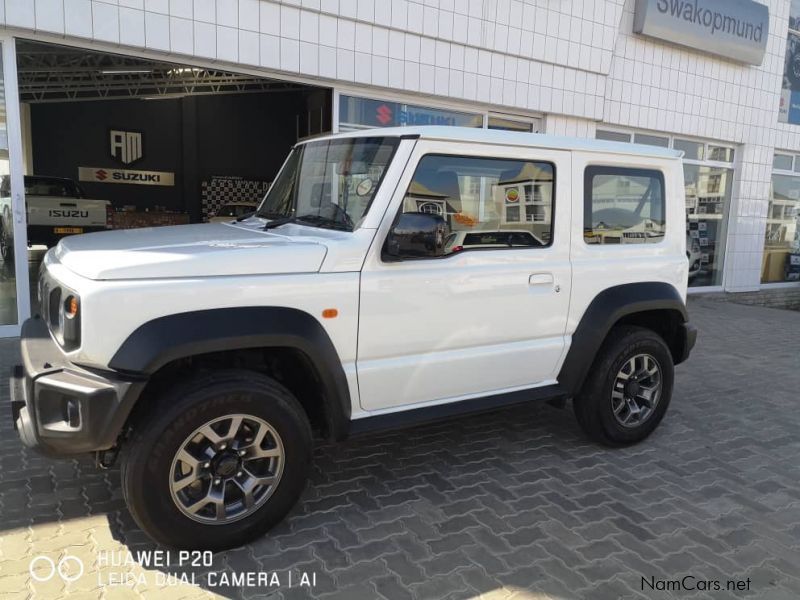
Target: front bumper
{"type": "Point", "coordinates": [62, 409]}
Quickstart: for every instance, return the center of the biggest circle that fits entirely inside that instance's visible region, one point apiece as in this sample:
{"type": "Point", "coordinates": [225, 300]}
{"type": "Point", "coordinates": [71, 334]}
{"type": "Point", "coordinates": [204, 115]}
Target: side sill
{"type": "Point", "coordinates": [441, 412]}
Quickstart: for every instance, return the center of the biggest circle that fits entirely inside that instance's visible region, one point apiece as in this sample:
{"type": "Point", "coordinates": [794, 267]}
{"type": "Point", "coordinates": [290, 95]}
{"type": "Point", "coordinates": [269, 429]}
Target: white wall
{"type": "Point", "coordinates": [577, 61]}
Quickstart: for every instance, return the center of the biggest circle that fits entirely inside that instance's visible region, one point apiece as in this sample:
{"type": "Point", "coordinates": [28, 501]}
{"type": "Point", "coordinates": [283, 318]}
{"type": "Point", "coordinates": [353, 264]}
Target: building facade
{"type": "Point", "coordinates": [573, 67]}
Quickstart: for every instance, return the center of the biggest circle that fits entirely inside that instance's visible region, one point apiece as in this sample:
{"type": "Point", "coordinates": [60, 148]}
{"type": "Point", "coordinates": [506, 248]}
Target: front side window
{"type": "Point", "coordinates": [623, 206]}
{"type": "Point", "coordinates": [485, 202]}
{"type": "Point", "coordinates": [330, 183]}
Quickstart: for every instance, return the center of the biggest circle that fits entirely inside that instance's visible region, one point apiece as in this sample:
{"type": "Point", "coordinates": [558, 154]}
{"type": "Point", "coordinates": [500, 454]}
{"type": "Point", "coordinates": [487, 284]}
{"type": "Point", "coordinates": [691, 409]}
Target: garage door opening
{"type": "Point", "coordinates": [117, 142]}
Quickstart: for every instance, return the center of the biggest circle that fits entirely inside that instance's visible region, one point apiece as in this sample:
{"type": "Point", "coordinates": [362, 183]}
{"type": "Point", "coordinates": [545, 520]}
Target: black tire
{"type": "Point", "coordinates": [157, 436]}
{"type": "Point", "coordinates": [593, 405]}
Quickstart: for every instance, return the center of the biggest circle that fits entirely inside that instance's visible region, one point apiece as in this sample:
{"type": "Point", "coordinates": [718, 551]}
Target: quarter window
{"type": "Point", "coordinates": [623, 206]}
{"type": "Point", "coordinates": [486, 202]}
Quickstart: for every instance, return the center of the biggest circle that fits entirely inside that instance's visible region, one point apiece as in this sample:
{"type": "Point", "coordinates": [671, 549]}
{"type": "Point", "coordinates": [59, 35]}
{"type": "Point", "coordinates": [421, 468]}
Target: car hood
{"type": "Point", "coordinates": [206, 250]}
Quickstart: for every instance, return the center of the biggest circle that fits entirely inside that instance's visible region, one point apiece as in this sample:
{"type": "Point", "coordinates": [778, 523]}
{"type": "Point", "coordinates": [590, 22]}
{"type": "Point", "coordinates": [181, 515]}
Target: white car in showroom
{"type": "Point", "coordinates": [56, 207]}
{"type": "Point", "coordinates": [208, 356]}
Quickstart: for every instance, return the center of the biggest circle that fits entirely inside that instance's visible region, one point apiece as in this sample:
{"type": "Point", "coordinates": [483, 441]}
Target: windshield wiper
{"type": "Point", "coordinates": [278, 222]}
{"type": "Point", "coordinates": [318, 220]}
{"type": "Point", "coordinates": [327, 222]}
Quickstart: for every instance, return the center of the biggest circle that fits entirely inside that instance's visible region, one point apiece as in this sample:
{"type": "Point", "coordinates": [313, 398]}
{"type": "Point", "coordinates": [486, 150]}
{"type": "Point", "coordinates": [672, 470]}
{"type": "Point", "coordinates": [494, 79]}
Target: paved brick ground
{"type": "Point", "coordinates": [516, 504]}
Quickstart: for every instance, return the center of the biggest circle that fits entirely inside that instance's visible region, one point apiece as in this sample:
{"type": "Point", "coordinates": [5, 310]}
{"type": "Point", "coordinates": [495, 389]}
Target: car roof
{"type": "Point", "coordinates": [474, 135]}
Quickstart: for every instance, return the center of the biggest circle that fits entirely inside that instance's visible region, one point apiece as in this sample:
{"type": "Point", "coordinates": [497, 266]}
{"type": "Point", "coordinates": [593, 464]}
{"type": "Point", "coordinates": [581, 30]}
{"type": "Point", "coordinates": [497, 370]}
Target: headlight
{"type": "Point", "coordinates": [68, 305]}
{"type": "Point", "coordinates": [69, 319]}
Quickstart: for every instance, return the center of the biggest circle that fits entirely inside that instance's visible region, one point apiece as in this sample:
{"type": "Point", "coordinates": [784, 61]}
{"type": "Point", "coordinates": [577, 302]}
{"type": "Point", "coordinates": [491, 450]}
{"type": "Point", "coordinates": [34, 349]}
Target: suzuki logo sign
{"type": "Point", "coordinates": [126, 146]}
{"type": "Point", "coordinates": [384, 114]}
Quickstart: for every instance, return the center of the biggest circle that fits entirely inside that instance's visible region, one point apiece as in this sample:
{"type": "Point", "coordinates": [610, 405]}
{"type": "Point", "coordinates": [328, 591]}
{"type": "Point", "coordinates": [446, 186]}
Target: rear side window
{"type": "Point", "coordinates": [623, 206]}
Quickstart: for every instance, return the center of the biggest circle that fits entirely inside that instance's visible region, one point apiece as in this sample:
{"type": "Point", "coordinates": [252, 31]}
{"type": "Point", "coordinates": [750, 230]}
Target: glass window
{"type": "Point", "coordinates": [794, 15]}
{"type": "Point", "coordinates": [329, 183]}
{"type": "Point", "coordinates": [486, 202]}
{"type": "Point", "coordinates": [720, 153]}
{"type": "Point", "coordinates": [708, 194]}
{"type": "Point", "coordinates": [366, 113]}
{"type": "Point", "coordinates": [782, 162]}
{"type": "Point", "coordinates": [691, 150]}
{"type": "Point", "coordinates": [782, 242]}
{"type": "Point", "coordinates": [612, 136]}
{"type": "Point", "coordinates": [511, 124]}
{"type": "Point", "coordinates": [623, 206]}
{"type": "Point", "coordinates": [651, 140]}
{"type": "Point", "coordinates": [789, 106]}
{"type": "Point", "coordinates": [8, 279]}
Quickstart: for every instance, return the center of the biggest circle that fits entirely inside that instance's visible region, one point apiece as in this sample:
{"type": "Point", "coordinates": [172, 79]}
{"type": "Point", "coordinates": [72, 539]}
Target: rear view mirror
{"type": "Point", "coordinates": [416, 235]}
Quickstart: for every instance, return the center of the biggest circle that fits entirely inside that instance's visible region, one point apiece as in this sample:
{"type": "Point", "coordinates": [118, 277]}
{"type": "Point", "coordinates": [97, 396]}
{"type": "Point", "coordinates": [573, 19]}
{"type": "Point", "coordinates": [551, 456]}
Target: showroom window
{"type": "Point", "coordinates": [782, 240]}
{"type": "Point", "coordinates": [789, 111]}
{"type": "Point", "coordinates": [623, 206]}
{"type": "Point", "coordinates": [486, 202]}
{"type": "Point", "coordinates": [708, 181]}
{"type": "Point", "coordinates": [367, 113]}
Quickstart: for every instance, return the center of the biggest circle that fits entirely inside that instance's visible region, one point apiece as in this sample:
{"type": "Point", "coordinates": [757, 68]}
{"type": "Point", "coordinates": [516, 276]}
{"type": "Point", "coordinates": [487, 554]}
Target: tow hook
{"type": "Point", "coordinates": [105, 459]}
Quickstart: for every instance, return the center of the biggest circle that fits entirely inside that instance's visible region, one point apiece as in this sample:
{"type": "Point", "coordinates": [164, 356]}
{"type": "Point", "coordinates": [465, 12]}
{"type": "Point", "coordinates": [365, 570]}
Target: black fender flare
{"type": "Point", "coordinates": [607, 308]}
{"type": "Point", "coordinates": [182, 335]}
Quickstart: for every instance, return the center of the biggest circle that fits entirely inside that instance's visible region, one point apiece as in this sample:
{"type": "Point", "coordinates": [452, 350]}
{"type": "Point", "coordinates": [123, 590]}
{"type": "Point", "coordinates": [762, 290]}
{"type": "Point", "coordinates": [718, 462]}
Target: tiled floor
{"type": "Point", "coordinates": [516, 503]}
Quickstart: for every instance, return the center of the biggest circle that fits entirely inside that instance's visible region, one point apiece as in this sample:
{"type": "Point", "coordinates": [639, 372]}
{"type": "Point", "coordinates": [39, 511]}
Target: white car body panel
{"type": "Point", "coordinates": [205, 250]}
{"type": "Point", "coordinates": [411, 333]}
{"type": "Point", "coordinates": [598, 267]}
{"type": "Point", "coordinates": [462, 324]}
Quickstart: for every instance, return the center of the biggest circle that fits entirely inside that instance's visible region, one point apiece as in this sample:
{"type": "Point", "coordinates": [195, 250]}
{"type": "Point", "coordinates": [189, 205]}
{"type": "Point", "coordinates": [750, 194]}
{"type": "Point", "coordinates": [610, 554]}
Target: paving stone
{"type": "Point", "coordinates": [515, 503]}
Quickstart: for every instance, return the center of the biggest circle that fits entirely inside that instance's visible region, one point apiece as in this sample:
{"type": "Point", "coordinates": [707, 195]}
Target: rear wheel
{"type": "Point", "coordinates": [628, 389]}
{"type": "Point", "coordinates": [220, 461]}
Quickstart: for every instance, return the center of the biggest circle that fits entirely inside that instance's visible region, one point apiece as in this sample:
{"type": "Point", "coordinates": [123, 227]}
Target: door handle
{"type": "Point", "coordinates": [541, 279]}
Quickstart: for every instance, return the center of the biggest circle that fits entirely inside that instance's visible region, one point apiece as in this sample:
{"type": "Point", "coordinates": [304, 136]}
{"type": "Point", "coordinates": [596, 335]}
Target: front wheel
{"type": "Point", "coordinates": [628, 389]}
{"type": "Point", "coordinates": [218, 462]}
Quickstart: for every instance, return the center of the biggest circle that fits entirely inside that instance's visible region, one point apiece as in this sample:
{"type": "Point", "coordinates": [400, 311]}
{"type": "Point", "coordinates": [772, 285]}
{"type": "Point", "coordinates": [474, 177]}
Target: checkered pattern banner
{"type": "Point", "coordinates": [219, 190]}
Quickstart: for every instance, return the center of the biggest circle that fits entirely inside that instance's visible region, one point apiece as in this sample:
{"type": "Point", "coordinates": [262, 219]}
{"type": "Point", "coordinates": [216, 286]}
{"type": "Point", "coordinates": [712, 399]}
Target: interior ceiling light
{"type": "Point", "coordinates": [125, 71]}
{"type": "Point", "coordinates": [184, 71]}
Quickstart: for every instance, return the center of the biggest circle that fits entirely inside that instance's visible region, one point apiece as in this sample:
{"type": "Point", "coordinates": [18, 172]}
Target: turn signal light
{"type": "Point", "coordinates": [71, 306]}
{"type": "Point", "coordinates": [330, 313]}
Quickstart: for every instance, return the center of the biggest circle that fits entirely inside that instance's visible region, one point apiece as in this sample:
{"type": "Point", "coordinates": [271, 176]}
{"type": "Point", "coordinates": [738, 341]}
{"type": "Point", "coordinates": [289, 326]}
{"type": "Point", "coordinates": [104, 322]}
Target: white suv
{"type": "Point", "coordinates": [209, 353]}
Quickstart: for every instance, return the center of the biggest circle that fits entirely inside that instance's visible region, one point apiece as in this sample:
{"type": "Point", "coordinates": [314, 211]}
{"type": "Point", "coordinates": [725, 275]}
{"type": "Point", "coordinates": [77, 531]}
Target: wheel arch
{"type": "Point", "coordinates": [250, 336]}
{"type": "Point", "coordinates": [655, 305]}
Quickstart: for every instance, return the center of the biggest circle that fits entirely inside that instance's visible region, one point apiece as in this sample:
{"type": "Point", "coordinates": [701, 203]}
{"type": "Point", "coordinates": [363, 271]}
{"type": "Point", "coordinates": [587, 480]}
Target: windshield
{"type": "Point", "coordinates": [329, 183]}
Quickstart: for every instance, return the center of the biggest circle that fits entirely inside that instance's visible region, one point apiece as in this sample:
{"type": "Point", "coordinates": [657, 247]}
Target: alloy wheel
{"type": "Point", "coordinates": [226, 469]}
{"type": "Point", "coordinates": [637, 390]}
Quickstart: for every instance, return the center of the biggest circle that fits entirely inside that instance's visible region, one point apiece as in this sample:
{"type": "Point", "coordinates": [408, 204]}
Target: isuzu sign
{"type": "Point", "coordinates": [735, 29]}
{"type": "Point", "coordinates": [103, 175]}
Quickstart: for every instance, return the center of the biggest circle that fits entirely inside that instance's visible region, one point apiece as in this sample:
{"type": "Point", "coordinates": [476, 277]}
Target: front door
{"type": "Point", "coordinates": [490, 314]}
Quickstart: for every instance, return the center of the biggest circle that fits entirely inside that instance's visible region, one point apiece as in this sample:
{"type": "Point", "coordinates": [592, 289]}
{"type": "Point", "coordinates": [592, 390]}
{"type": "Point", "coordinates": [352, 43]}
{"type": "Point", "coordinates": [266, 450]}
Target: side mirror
{"type": "Point", "coordinates": [416, 235]}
